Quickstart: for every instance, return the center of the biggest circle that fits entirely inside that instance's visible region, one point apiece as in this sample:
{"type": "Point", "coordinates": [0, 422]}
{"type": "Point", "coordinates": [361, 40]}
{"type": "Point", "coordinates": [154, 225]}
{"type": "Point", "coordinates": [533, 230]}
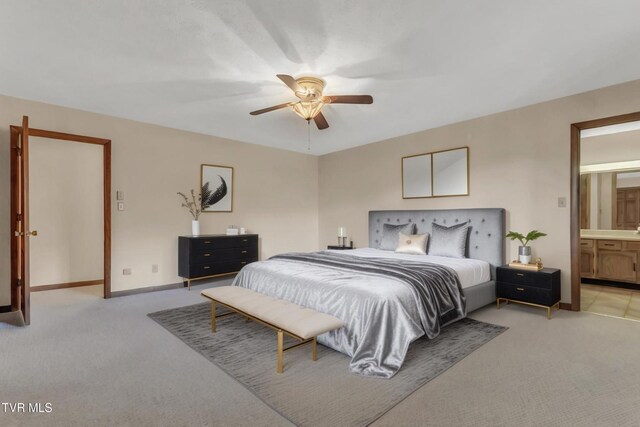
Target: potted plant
{"type": "Point", "coordinates": [524, 251]}
{"type": "Point", "coordinates": [196, 206]}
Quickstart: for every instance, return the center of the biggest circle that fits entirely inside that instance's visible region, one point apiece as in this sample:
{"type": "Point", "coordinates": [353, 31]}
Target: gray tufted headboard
{"type": "Point", "coordinates": [486, 235]}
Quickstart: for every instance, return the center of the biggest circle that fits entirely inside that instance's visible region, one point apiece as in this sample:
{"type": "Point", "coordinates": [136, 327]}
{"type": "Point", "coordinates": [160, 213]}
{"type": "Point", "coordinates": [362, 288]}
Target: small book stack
{"type": "Point", "coordinates": [534, 267]}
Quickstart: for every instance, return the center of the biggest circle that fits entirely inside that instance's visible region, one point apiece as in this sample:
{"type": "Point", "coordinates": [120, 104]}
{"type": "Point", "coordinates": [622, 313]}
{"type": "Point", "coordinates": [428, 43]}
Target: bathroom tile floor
{"type": "Point", "coordinates": [610, 301]}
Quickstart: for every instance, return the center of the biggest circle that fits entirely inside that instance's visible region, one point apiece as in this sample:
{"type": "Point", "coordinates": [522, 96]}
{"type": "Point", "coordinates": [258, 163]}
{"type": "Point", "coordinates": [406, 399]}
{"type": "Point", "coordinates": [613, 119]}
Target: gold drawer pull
{"type": "Point", "coordinates": [207, 254]}
{"type": "Point", "coordinates": [520, 289]}
{"type": "Point", "coordinates": [244, 252]}
{"type": "Point", "coordinates": [520, 274]}
{"type": "Point", "coordinates": [609, 244]}
{"type": "Point", "coordinates": [207, 267]}
{"type": "Point", "coordinates": [244, 240]}
{"type": "Point", "coordinates": [207, 242]}
{"type": "Point", "coordinates": [243, 262]}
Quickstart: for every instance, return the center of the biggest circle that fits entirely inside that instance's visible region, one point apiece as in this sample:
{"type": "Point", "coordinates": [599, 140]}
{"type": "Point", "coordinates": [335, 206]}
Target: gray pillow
{"type": "Point", "coordinates": [449, 241]}
{"type": "Point", "coordinates": [390, 232]}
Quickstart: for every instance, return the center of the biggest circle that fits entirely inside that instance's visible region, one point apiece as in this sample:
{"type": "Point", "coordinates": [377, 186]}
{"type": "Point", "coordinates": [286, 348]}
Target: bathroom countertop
{"type": "Point", "coordinates": [610, 235]}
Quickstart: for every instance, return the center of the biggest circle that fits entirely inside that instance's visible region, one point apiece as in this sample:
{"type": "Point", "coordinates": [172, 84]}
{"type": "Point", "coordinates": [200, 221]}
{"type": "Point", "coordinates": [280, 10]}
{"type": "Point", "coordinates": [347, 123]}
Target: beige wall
{"type": "Point", "coordinates": [616, 147]}
{"type": "Point", "coordinates": [626, 180]}
{"type": "Point", "coordinates": [65, 202]}
{"type": "Point", "coordinates": [519, 161]}
{"type": "Point", "coordinates": [275, 195]}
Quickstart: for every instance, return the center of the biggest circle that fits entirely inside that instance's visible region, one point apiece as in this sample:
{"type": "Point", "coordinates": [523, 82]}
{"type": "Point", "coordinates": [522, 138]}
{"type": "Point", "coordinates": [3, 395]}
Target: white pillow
{"type": "Point", "coordinates": [415, 244]}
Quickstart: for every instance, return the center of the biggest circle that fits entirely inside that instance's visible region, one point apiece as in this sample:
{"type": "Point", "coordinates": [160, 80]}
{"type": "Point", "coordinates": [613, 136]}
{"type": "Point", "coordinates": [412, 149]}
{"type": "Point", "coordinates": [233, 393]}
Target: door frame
{"type": "Point", "coordinates": [16, 132]}
{"type": "Point", "coordinates": [576, 128]}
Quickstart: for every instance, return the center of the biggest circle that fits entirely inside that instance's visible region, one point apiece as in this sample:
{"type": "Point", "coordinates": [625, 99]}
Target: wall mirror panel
{"type": "Point", "coordinates": [416, 176]}
{"type": "Point", "coordinates": [438, 174]}
{"type": "Point", "coordinates": [451, 172]}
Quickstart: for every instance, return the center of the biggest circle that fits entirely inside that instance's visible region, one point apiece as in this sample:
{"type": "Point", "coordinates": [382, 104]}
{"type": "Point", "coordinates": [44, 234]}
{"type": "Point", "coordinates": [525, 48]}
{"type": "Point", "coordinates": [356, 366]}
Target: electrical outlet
{"type": "Point", "coordinates": [119, 195]}
{"type": "Point", "coordinates": [126, 272]}
{"type": "Point", "coordinates": [120, 206]}
{"type": "Point", "coordinates": [562, 202]}
{"type": "Point", "coordinates": [154, 268]}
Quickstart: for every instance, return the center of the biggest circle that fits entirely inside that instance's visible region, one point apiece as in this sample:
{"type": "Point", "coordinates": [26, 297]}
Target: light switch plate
{"type": "Point", "coordinates": [119, 195]}
{"type": "Point", "coordinates": [120, 206]}
{"type": "Point", "coordinates": [562, 202]}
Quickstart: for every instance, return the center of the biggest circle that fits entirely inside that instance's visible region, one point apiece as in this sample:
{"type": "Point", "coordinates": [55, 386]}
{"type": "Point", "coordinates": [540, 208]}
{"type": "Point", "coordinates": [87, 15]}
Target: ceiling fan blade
{"type": "Point", "coordinates": [321, 122]}
{"type": "Point", "coordinates": [266, 110]}
{"type": "Point", "coordinates": [291, 82]}
{"type": "Point", "coordinates": [348, 99]}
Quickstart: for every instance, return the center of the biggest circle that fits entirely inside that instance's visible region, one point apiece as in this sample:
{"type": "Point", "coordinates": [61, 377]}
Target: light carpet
{"type": "Point", "coordinates": [105, 363]}
{"type": "Point", "coordinates": [322, 393]}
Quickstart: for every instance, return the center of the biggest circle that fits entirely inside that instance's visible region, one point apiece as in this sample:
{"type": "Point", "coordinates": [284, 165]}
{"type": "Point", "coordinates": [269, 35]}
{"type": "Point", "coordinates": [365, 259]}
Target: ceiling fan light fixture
{"type": "Point", "coordinates": [308, 109]}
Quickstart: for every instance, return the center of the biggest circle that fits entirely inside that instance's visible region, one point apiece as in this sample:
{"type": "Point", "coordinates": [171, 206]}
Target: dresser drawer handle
{"type": "Point", "coordinates": [584, 244]}
{"type": "Point", "coordinates": [207, 267]}
{"type": "Point", "coordinates": [244, 240]}
{"type": "Point", "coordinates": [207, 254]}
{"type": "Point", "coordinates": [520, 274]}
{"type": "Point", "coordinates": [244, 252]}
{"type": "Point", "coordinates": [520, 289]}
{"type": "Point", "coordinates": [609, 244]}
{"type": "Point", "coordinates": [243, 262]}
{"type": "Point", "coordinates": [207, 242]}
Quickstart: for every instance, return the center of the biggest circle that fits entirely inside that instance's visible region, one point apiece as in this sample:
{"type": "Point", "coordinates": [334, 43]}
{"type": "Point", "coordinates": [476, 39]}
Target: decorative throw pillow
{"type": "Point", "coordinates": [449, 241]}
{"type": "Point", "coordinates": [415, 244]}
{"type": "Point", "coordinates": [389, 240]}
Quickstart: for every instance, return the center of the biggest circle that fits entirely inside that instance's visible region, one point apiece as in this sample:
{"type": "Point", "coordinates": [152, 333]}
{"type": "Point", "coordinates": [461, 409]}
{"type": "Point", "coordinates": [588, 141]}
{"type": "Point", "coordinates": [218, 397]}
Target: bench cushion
{"type": "Point", "coordinates": [301, 321]}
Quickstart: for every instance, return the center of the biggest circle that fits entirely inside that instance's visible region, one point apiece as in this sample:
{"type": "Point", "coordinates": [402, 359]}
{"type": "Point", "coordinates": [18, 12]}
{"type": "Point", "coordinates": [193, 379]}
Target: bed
{"type": "Point", "coordinates": [382, 310]}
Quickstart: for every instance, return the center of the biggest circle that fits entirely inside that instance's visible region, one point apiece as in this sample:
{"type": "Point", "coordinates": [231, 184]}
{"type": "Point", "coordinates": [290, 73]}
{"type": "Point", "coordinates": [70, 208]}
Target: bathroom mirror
{"type": "Point", "coordinates": [416, 176]}
{"type": "Point", "coordinates": [451, 172]}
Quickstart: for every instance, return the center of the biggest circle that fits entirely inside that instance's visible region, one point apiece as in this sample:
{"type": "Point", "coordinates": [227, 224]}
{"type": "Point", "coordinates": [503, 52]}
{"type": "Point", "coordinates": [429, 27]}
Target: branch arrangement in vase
{"type": "Point", "coordinates": [524, 251]}
{"type": "Point", "coordinates": [206, 198]}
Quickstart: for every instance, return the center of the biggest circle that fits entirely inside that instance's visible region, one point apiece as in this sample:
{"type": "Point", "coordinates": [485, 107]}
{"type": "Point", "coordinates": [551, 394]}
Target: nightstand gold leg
{"type": "Point", "coordinates": [548, 313]}
{"type": "Point", "coordinates": [189, 283]}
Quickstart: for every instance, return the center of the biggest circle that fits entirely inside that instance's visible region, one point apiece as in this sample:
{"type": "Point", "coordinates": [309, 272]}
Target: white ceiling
{"type": "Point", "coordinates": [203, 65]}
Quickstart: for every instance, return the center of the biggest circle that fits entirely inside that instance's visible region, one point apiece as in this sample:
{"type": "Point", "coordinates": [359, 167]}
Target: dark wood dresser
{"type": "Point", "coordinates": [539, 288]}
{"type": "Point", "coordinates": [201, 257]}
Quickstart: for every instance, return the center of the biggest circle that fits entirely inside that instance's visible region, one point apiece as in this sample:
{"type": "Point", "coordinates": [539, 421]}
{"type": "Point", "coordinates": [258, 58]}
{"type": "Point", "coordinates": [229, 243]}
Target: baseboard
{"type": "Point", "coordinates": [66, 285]}
{"type": "Point", "coordinates": [5, 308]}
{"type": "Point", "coordinates": [147, 289]}
{"type": "Point", "coordinates": [565, 306]}
{"type": "Point", "coordinates": [166, 287]}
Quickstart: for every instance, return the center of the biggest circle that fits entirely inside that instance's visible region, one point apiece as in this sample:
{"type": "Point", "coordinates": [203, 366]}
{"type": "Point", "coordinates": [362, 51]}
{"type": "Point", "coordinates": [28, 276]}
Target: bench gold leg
{"type": "Point", "coordinates": [314, 349]}
{"type": "Point", "coordinates": [280, 351]}
{"type": "Point", "coordinates": [213, 316]}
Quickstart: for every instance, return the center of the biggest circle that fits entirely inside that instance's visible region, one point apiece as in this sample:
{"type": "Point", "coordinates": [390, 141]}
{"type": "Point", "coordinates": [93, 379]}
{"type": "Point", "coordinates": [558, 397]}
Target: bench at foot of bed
{"type": "Point", "coordinates": [287, 318]}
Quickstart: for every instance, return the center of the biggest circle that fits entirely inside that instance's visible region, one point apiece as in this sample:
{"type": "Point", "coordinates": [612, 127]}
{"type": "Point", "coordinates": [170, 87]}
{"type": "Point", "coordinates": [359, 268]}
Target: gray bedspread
{"type": "Point", "coordinates": [386, 304]}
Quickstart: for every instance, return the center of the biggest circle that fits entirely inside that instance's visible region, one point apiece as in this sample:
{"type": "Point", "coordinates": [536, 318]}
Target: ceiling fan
{"type": "Point", "coordinates": [309, 91]}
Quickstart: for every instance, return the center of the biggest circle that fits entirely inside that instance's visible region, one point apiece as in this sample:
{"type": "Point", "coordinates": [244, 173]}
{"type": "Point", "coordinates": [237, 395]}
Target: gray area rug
{"type": "Point", "coordinates": [321, 393]}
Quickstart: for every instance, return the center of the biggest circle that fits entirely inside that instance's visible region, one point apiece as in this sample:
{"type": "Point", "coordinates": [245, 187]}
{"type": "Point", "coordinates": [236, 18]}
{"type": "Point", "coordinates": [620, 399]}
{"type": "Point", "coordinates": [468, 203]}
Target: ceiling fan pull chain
{"type": "Point", "coordinates": [308, 135]}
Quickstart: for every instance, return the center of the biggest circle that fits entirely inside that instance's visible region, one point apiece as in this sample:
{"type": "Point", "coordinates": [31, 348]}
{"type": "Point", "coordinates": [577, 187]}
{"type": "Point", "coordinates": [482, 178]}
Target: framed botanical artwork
{"type": "Point", "coordinates": [217, 188]}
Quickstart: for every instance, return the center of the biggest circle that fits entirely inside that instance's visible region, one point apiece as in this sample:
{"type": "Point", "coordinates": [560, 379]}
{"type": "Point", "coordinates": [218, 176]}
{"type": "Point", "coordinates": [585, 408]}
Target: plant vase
{"type": "Point", "coordinates": [524, 254]}
{"type": "Point", "coordinates": [195, 228]}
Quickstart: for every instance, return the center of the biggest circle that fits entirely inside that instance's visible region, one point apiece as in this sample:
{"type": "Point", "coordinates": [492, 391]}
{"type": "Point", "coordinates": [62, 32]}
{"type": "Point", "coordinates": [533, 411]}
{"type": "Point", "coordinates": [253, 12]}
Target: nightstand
{"type": "Point", "coordinates": [340, 248]}
{"type": "Point", "coordinates": [538, 288]}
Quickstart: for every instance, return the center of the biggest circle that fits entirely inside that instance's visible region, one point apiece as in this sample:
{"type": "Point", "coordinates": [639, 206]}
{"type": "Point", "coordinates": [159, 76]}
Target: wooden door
{"type": "Point", "coordinates": [617, 265]}
{"type": "Point", "coordinates": [620, 210]}
{"type": "Point", "coordinates": [587, 263]}
{"type": "Point", "coordinates": [20, 296]}
{"type": "Point", "coordinates": [587, 258]}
